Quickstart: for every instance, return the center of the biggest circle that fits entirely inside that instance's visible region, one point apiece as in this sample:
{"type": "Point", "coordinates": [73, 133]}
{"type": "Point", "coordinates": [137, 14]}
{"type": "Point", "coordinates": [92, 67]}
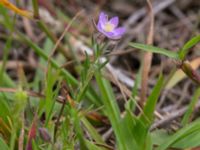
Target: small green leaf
{"type": "Point", "coordinates": [184, 50]}
{"type": "Point", "coordinates": [154, 49]}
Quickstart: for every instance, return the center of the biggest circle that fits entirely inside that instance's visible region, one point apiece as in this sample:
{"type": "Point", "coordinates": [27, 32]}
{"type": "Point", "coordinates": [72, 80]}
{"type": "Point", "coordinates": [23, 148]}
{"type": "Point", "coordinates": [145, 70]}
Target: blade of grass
{"type": "Point", "coordinates": [182, 133]}
{"type": "Point", "coordinates": [191, 106]}
{"type": "Point", "coordinates": [95, 135]}
{"type": "Point", "coordinates": [51, 94]}
{"type": "Point", "coordinates": [148, 111]}
{"type": "Point", "coordinates": [3, 145]}
{"type": "Point", "coordinates": [185, 49]}
{"type": "Point", "coordinates": [111, 110]}
{"type": "Point", "coordinates": [154, 49]}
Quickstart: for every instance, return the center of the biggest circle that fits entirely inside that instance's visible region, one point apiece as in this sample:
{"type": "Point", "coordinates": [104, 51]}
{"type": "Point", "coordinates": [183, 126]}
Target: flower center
{"type": "Point", "coordinates": [108, 27]}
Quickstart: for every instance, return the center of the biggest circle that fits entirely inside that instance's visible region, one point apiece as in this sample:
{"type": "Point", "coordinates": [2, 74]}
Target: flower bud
{"type": "Point", "coordinates": [44, 134]}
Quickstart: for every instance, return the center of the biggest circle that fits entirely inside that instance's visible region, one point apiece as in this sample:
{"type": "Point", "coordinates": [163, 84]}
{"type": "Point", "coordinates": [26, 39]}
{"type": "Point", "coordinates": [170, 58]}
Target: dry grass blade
{"type": "Point", "coordinates": [147, 56]}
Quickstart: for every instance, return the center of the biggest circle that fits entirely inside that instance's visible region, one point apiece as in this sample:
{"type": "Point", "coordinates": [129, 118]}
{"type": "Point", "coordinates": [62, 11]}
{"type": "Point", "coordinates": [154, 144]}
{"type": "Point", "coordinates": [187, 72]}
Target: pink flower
{"type": "Point", "coordinates": [109, 27]}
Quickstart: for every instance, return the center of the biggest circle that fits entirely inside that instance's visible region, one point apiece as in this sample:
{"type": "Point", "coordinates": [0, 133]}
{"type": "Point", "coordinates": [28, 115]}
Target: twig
{"type": "Point", "coordinates": [59, 116]}
{"type": "Point", "coordinates": [172, 116]}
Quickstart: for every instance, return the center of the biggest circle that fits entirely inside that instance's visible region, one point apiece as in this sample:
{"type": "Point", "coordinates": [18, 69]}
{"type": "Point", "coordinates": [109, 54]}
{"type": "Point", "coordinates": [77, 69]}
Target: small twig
{"type": "Point", "coordinates": [172, 117]}
{"type": "Point", "coordinates": [107, 134]}
{"type": "Point", "coordinates": [59, 116]}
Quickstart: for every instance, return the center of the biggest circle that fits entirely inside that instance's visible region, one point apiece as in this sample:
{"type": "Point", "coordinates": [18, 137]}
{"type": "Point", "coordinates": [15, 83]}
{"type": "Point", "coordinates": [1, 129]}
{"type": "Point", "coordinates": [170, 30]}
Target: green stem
{"type": "Point", "coordinates": [35, 9]}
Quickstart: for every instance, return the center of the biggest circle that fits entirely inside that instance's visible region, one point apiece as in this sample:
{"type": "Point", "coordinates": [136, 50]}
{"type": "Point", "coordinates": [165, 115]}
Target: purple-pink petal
{"type": "Point", "coordinates": [114, 21]}
{"type": "Point", "coordinates": [109, 34]}
{"type": "Point", "coordinates": [119, 31]}
{"type": "Point", "coordinates": [116, 33]}
{"type": "Point", "coordinates": [99, 26]}
{"type": "Point", "coordinates": [103, 18]}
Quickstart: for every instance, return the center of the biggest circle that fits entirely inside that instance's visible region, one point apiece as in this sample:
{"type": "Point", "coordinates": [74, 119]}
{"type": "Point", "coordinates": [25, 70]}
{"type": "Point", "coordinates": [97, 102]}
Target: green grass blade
{"type": "Point", "coordinates": [51, 93]}
{"type": "Point", "coordinates": [190, 141]}
{"type": "Point", "coordinates": [111, 109]}
{"type": "Point", "coordinates": [154, 49]}
{"type": "Point", "coordinates": [95, 135]}
{"type": "Point", "coordinates": [179, 135]}
{"type": "Point", "coordinates": [3, 145]}
{"type": "Point", "coordinates": [191, 107]}
{"type": "Point", "coordinates": [132, 131]}
{"type": "Point", "coordinates": [184, 50]}
{"type": "Point", "coordinates": [92, 146]}
{"type": "Point", "coordinates": [148, 111]}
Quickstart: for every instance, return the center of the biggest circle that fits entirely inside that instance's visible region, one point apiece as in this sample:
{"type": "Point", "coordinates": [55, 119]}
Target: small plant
{"type": "Point", "coordinates": [69, 107]}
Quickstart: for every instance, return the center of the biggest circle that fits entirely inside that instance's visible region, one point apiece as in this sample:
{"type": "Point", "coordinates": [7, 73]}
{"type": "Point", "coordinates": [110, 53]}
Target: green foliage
{"type": "Point", "coordinates": [3, 145]}
{"type": "Point", "coordinates": [88, 91]}
{"type": "Point", "coordinates": [148, 110]}
{"type": "Point", "coordinates": [185, 49]}
{"type": "Point", "coordinates": [191, 107]}
{"type": "Point", "coordinates": [154, 49]}
{"type": "Point", "coordinates": [181, 136]}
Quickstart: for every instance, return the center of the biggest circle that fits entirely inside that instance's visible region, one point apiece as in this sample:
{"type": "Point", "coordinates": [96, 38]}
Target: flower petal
{"type": "Point", "coordinates": [116, 34]}
{"type": "Point", "coordinates": [119, 31]}
{"type": "Point", "coordinates": [103, 18]}
{"type": "Point", "coordinates": [114, 21]}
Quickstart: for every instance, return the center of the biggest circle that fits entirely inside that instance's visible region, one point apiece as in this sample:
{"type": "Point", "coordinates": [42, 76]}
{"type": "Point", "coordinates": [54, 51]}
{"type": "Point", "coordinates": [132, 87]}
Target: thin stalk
{"type": "Point", "coordinates": [35, 9]}
{"type": "Point", "coordinates": [58, 120]}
